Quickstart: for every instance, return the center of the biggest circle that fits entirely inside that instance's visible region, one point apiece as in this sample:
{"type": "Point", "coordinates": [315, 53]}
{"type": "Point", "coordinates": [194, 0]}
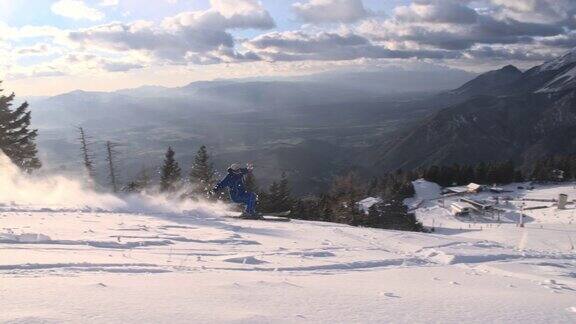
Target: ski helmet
{"type": "Point", "coordinates": [235, 166]}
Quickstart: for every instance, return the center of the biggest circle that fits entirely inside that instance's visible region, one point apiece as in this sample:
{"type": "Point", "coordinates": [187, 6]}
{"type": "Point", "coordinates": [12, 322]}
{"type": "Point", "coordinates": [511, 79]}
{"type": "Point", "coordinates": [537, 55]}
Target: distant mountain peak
{"type": "Point", "coordinates": [560, 62]}
{"type": "Point", "coordinates": [490, 82]}
{"type": "Point", "coordinates": [510, 69]}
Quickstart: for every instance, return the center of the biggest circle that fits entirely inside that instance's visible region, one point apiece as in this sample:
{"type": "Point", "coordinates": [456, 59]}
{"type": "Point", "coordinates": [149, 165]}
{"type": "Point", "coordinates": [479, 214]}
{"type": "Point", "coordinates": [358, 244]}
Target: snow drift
{"type": "Point", "coordinates": [56, 191]}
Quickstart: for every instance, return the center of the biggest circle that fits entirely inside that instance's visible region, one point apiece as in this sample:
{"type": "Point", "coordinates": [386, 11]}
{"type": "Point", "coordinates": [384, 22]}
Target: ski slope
{"type": "Point", "coordinates": [143, 259]}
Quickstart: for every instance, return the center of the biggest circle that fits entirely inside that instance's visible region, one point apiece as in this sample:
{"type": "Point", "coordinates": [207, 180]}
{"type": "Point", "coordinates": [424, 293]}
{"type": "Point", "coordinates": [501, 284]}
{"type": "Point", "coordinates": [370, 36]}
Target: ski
{"type": "Point", "coordinates": [269, 217]}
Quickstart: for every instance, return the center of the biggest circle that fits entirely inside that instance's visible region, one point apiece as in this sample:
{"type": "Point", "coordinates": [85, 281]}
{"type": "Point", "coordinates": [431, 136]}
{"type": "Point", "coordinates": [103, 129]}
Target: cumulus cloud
{"type": "Point", "coordinates": [435, 29]}
{"type": "Point", "coordinates": [451, 25]}
{"type": "Point", "coordinates": [455, 12]}
{"type": "Point", "coordinates": [330, 11]}
{"type": "Point", "coordinates": [448, 31]}
{"type": "Point", "coordinates": [330, 46]}
{"type": "Point", "coordinates": [82, 61]}
{"type": "Point", "coordinates": [543, 11]}
{"type": "Point", "coordinates": [76, 9]}
{"type": "Point", "coordinates": [486, 30]}
{"type": "Point", "coordinates": [198, 37]}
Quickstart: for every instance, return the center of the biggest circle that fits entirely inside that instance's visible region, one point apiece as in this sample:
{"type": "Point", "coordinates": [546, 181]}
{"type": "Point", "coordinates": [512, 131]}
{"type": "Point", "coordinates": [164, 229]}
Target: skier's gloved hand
{"type": "Point", "coordinates": [250, 166]}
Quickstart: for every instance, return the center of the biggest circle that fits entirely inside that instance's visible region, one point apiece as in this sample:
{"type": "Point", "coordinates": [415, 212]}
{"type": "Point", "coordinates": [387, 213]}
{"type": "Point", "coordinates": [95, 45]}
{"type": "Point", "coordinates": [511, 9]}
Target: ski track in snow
{"type": "Point", "coordinates": [458, 261]}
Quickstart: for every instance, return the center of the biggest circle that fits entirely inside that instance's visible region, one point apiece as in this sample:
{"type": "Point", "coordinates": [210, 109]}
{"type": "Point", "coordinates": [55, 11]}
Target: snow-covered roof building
{"type": "Point", "coordinates": [471, 188]}
{"type": "Point", "coordinates": [365, 204]}
{"type": "Point", "coordinates": [474, 187]}
{"type": "Point", "coordinates": [479, 205]}
{"type": "Point", "coordinates": [461, 208]}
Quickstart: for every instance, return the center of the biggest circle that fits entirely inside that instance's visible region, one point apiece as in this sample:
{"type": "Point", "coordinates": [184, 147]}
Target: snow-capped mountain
{"type": "Point", "coordinates": [565, 68]}
{"type": "Point", "coordinates": [502, 114]}
{"type": "Point", "coordinates": [558, 63]}
{"type": "Point", "coordinates": [553, 76]}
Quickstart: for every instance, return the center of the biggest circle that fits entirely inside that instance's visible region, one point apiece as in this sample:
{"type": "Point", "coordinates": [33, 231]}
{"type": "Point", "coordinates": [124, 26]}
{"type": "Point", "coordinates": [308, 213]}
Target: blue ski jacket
{"type": "Point", "coordinates": [235, 181]}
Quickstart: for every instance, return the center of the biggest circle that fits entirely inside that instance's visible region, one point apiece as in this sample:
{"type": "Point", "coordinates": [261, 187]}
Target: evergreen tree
{"type": "Point", "coordinates": [392, 214]}
{"type": "Point", "coordinates": [373, 187]}
{"type": "Point", "coordinates": [17, 140]}
{"type": "Point", "coordinates": [250, 182]}
{"type": "Point", "coordinates": [518, 176]}
{"type": "Point", "coordinates": [345, 193]}
{"type": "Point", "coordinates": [139, 184]}
{"type": "Point", "coordinates": [432, 174]}
{"type": "Point", "coordinates": [481, 173]}
{"type": "Point", "coordinates": [269, 200]}
{"type": "Point", "coordinates": [348, 188]}
{"type": "Point", "coordinates": [284, 199]}
{"type": "Point", "coordinates": [468, 175]}
{"type": "Point", "coordinates": [202, 172]}
{"type": "Point", "coordinates": [507, 173]}
{"type": "Point", "coordinates": [170, 174]}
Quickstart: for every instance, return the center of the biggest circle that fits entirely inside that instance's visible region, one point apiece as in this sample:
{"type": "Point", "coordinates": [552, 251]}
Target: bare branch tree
{"type": "Point", "coordinates": [87, 155]}
{"type": "Point", "coordinates": [111, 159]}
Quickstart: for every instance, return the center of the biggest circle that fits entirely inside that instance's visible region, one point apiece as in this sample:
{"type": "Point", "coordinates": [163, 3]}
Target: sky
{"type": "Point", "coordinates": [49, 47]}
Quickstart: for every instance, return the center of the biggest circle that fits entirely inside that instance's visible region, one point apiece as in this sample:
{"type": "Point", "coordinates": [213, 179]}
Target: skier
{"type": "Point", "coordinates": [238, 193]}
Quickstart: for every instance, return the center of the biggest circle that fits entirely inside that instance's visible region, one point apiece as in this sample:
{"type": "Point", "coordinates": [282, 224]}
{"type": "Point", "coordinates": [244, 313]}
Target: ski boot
{"type": "Point", "coordinates": [254, 216]}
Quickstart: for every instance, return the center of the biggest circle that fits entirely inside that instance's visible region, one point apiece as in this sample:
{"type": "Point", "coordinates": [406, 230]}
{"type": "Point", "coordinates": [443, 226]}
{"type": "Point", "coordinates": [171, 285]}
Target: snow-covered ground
{"type": "Point", "coordinates": [194, 265]}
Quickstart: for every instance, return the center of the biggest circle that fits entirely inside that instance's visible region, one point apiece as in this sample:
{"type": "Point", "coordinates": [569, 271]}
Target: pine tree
{"type": "Point", "coordinates": [392, 214]}
{"type": "Point", "coordinates": [270, 201]}
{"type": "Point", "coordinates": [17, 140]}
{"type": "Point", "coordinates": [284, 199]}
{"type": "Point", "coordinates": [250, 182]}
{"type": "Point", "coordinates": [481, 173]}
{"type": "Point", "coordinates": [139, 184]}
{"type": "Point", "coordinates": [518, 176]}
{"type": "Point", "coordinates": [202, 172]}
{"type": "Point", "coordinates": [170, 174]}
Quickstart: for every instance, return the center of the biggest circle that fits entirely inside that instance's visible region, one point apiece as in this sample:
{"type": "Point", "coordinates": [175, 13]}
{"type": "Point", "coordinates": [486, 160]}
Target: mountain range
{"type": "Point", "coordinates": [500, 115]}
{"type": "Point", "coordinates": [318, 126]}
{"type": "Point", "coordinates": [310, 127]}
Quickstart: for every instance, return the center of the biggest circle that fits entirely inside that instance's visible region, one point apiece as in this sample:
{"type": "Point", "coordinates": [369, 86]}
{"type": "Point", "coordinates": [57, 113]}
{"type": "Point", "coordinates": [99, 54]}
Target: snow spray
{"type": "Point", "coordinates": [59, 192]}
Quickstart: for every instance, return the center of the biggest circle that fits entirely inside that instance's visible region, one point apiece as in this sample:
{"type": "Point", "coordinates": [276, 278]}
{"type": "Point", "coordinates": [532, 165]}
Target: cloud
{"type": "Point", "coordinates": [437, 12]}
{"type": "Point", "coordinates": [330, 11]}
{"type": "Point", "coordinates": [329, 46]}
{"type": "Point", "coordinates": [506, 53]}
{"type": "Point", "coordinates": [424, 29]}
{"type": "Point", "coordinates": [451, 32]}
{"type": "Point", "coordinates": [76, 9]}
{"type": "Point", "coordinates": [445, 24]}
{"type": "Point", "coordinates": [108, 3]}
{"type": "Point", "coordinates": [37, 49]}
{"type": "Point", "coordinates": [244, 13]}
{"type": "Point", "coordinates": [542, 11]}
{"type": "Point", "coordinates": [28, 31]}
{"type": "Point", "coordinates": [200, 37]}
